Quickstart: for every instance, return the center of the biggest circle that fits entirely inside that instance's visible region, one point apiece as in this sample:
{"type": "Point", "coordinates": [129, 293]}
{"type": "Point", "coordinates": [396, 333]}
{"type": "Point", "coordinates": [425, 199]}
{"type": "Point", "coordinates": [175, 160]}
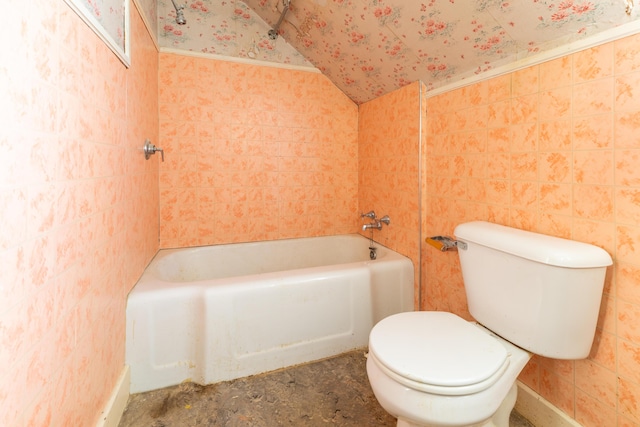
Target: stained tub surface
{"type": "Point", "coordinates": [217, 313]}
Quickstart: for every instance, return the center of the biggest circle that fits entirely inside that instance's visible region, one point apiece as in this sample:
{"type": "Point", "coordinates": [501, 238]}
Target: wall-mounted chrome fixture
{"type": "Point", "coordinates": [150, 149]}
{"type": "Point", "coordinates": [376, 223]}
{"type": "Point", "coordinates": [446, 243]}
{"type": "Point", "coordinates": [273, 33]}
{"type": "Point", "coordinates": [180, 20]}
{"type": "Point", "coordinates": [370, 215]}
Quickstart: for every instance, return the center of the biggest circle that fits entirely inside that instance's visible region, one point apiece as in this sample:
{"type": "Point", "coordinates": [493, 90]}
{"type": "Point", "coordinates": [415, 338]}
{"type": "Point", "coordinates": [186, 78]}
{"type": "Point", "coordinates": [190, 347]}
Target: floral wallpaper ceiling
{"type": "Point", "coordinates": [371, 47]}
{"type": "Point", "coordinates": [223, 27]}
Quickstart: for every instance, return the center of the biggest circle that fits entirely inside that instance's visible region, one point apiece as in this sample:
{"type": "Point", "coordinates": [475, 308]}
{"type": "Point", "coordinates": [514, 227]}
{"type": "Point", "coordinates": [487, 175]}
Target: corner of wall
{"type": "Point", "coordinates": [539, 411]}
{"type": "Point", "coordinates": [113, 410]}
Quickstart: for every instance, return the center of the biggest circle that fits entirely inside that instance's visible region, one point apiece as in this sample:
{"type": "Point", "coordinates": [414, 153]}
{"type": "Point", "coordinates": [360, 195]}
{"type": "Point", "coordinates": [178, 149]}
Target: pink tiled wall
{"type": "Point", "coordinates": [253, 153]}
{"type": "Point", "coordinates": [79, 210]}
{"type": "Point", "coordinates": [555, 149]}
{"type": "Point", "coordinates": [388, 154]}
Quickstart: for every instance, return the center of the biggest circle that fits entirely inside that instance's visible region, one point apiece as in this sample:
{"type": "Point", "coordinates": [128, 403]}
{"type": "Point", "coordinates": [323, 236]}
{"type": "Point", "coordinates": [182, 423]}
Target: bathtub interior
{"type": "Point", "coordinates": [209, 331]}
{"type": "Point", "coordinates": [242, 259]}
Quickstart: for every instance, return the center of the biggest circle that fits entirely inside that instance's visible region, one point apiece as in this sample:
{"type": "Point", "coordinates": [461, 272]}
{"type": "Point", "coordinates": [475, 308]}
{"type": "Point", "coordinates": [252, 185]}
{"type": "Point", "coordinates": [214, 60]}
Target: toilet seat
{"type": "Point", "coordinates": [437, 352]}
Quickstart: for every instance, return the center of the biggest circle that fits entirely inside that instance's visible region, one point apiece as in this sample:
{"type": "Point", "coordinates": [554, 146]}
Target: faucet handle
{"type": "Point", "coordinates": [150, 149]}
{"type": "Point", "coordinates": [370, 214]}
{"type": "Point", "coordinates": [385, 219]}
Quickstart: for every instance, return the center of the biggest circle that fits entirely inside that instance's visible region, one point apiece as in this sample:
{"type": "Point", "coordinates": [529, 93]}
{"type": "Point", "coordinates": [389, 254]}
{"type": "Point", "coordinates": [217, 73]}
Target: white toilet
{"type": "Point", "coordinates": [529, 292]}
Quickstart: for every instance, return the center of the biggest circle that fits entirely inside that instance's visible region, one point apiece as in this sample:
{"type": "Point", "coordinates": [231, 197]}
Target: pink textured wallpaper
{"type": "Point", "coordinates": [388, 156]}
{"type": "Point", "coordinates": [554, 149]}
{"type": "Point", "coordinates": [253, 153]}
{"type": "Point", "coordinates": [256, 153]}
{"type": "Point", "coordinates": [79, 210]}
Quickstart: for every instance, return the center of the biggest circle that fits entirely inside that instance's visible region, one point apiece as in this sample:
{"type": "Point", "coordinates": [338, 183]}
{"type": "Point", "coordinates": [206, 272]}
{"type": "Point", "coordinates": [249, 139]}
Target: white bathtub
{"type": "Point", "coordinates": [216, 313]}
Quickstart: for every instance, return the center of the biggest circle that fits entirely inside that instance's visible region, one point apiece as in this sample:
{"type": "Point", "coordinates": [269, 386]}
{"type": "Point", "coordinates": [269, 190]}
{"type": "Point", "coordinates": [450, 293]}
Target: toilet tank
{"type": "Point", "coordinates": [539, 292]}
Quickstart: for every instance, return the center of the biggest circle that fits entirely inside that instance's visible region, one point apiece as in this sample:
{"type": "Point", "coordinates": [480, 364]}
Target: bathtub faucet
{"type": "Point", "coordinates": [373, 225]}
{"type": "Point", "coordinates": [376, 224]}
{"type": "Point", "coordinates": [370, 214]}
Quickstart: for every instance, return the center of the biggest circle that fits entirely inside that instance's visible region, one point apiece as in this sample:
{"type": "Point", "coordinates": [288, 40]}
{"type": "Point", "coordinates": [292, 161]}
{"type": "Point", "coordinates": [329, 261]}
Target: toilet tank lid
{"type": "Point", "coordinates": [533, 246]}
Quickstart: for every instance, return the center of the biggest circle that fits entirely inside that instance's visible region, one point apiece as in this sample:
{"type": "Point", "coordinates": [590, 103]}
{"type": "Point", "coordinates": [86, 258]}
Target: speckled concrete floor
{"type": "Point", "coordinates": [334, 391]}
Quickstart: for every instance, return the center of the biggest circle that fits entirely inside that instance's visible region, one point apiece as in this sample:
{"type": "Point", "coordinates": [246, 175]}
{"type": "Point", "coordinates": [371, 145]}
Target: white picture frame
{"type": "Point", "coordinates": [110, 20]}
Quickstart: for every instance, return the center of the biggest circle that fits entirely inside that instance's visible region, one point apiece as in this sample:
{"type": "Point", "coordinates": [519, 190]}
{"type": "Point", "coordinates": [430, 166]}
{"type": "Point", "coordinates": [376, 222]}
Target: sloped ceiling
{"type": "Point", "coordinates": [227, 28]}
{"type": "Point", "coordinates": [371, 47]}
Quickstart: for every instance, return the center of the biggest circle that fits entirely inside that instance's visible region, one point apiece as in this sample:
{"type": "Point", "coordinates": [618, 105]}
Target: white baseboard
{"type": "Point", "coordinates": [110, 416]}
{"type": "Point", "coordinates": [539, 411]}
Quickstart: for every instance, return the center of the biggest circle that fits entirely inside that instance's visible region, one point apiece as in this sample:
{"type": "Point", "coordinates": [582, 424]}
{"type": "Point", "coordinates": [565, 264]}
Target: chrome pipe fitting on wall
{"type": "Point", "coordinates": [376, 223]}
{"type": "Point", "coordinates": [150, 149]}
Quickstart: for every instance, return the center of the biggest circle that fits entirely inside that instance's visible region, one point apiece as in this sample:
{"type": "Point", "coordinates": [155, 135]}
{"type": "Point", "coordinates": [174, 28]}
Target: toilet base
{"type": "Point", "coordinates": [499, 419]}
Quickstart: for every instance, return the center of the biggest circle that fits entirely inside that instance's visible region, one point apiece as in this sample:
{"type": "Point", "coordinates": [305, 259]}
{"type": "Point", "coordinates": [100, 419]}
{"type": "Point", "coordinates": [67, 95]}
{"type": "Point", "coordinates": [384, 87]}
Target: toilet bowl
{"type": "Point", "coordinates": [529, 293]}
{"type": "Point", "coordinates": [464, 374]}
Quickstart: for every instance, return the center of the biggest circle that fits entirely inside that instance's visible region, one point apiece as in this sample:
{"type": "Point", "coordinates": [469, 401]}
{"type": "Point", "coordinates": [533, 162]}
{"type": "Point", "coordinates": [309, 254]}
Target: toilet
{"type": "Point", "coordinates": [529, 294]}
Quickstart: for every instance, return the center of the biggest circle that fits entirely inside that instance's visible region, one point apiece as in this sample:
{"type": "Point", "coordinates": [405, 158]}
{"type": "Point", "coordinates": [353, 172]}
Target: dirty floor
{"type": "Point", "coordinates": [333, 391]}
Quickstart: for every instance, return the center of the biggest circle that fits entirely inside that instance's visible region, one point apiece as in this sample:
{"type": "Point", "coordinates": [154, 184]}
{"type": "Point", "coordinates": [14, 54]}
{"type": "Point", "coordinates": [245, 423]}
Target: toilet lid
{"type": "Point", "coordinates": [438, 349]}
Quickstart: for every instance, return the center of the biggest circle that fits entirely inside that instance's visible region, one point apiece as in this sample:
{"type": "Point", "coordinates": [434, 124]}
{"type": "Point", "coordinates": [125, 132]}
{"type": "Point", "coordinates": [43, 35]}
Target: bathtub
{"type": "Point", "coordinates": [217, 313]}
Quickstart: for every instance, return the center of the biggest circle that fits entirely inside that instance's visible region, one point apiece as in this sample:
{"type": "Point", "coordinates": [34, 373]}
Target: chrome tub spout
{"type": "Point", "coordinates": [376, 225]}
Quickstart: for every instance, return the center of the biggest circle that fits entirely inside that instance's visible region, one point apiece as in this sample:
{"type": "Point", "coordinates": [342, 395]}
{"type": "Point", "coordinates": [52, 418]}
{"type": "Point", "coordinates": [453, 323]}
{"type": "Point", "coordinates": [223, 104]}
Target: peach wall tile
{"type": "Point", "coordinates": [628, 359]}
{"type": "Point", "coordinates": [389, 151]}
{"type": "Point", "coordinates": [604, 350]}
{"type": "Point", "coordinates": [628, 280]}
{"type": "Point", "coordinates": [629, 400]}
{"type": "Point", "coordinates": [555, 135]}
{"type": "Point", "coordinates": [626, 172]}
{"type": "Point", "coordinates": [524, 194]}
{"type": "Point", "coordinates": [555, 225]}
{"type": "Point", "coordinates": [594, 202]}
{"type": "Point", "coordinates": [626, 92]}
{"type": "Point", "coordinates": [524, 166]}
{"type": "Point", "coordinates": [597, 233]}
{"type": "Point", "coordinates": [498, 166]}
{"type": "Point", "coordinates": [498, 114]}
{"type": "Point", "coordinates": [627, 249]}
{"type": "Point", "coordinates": [594, 97]}
{"type": "Point", "coordinates": [625, 51]}
{"type": "Point", "coordinates": [625, 127]}
{"type": "Point", "coordinates": [70, 256]}
{"type": "Point", "coordinates": [572, 132]}
{"type": "Point", "coordinates": [498, 88]}
{"type": "Point", "coordinates": [593, 167]}
{"type": "Point", "coordinates": [555, 104]}
{"type": "Point", "coordinates": [628, 326]}
{"type": "Point", "coordinates": [261, 152]}
{"type": "Point", "coordinates": [591, 412]}
{"type": "Point", "coordinates": [524, 137]}
{"type": "Point", "coordinates": [555, 198]}
{"type": "Point", "coordinates": [525, 81]}
{"type": "Point", "coordinates": [593, 63]}
{"type": "Point", "coordinates": [499, 139]}
{"type": "Point", "coordinates": [530, 374]}
{"type": "Point", "coordinates": [596, 381]}
{"type": "Point", "coordinates": [555, 73]}
{"type": "Point", "coordinates": [555, 166]}
{"type": "Point", "coordinates": [593, 132]}
{"type": "Point", "coordinates": [558, 391]}
{"type": "Point", "coordinates": [524, 109]}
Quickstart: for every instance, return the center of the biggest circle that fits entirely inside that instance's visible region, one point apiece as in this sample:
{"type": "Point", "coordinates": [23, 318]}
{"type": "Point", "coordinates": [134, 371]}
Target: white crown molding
{"type": "Point", "coordinates": [239, 60]}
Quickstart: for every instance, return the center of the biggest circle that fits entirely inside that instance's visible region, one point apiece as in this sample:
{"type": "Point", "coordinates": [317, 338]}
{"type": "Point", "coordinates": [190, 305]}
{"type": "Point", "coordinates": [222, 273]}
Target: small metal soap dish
{"type": "Point", "coordinates": [446, 243]}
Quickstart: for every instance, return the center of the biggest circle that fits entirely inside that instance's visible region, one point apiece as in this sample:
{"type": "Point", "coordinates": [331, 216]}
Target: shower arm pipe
{"type": "Point", "coordinates": [180, 20]}
{"type": "Point", "coordinates": [276, 27]}
{"type": "Point", "coordinates": [284, 12]}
